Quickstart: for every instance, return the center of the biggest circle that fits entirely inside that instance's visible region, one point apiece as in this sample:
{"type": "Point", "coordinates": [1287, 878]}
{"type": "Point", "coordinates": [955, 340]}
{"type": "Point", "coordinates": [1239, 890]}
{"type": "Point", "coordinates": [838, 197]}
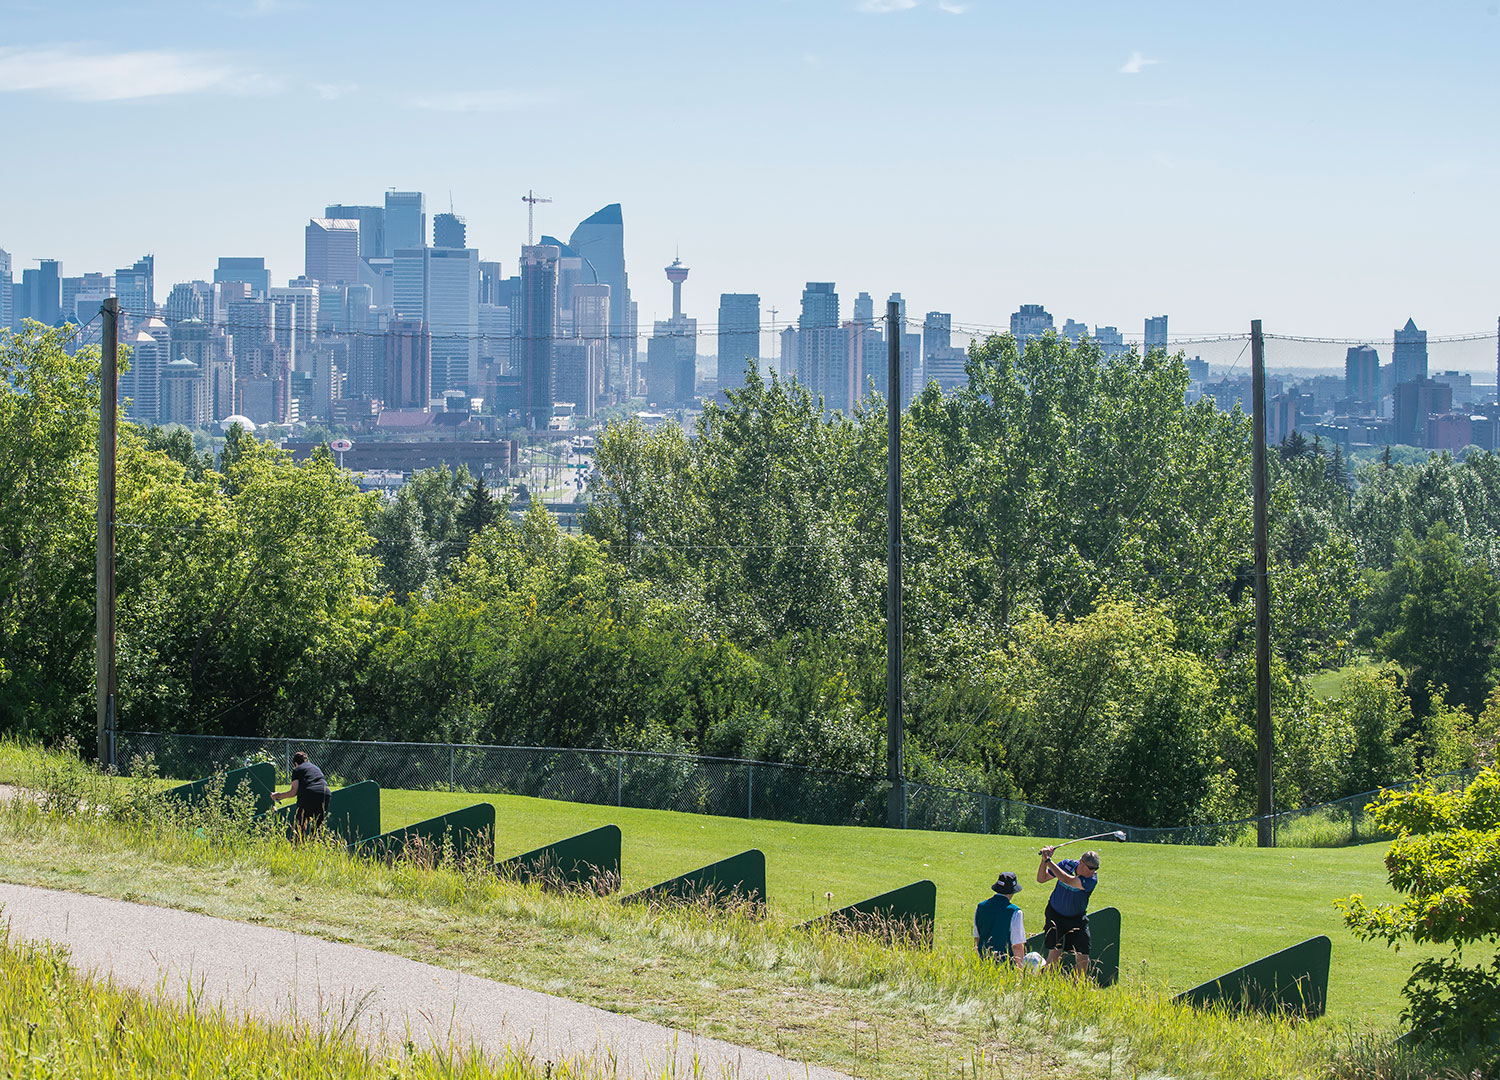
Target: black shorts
{"type": "Point", "coordinates": [1067, 932]}
{"type": "Point", "coordinates": [311, 810]}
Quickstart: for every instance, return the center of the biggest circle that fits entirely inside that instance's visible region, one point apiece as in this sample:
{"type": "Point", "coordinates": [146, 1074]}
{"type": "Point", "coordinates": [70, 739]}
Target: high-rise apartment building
{"type": "Point", "coordinates": [1031, 321]}
{"type": "Point", "coordinates": [591, 325]}
{"type": "Point", "coordinates": [371, 226]}
{"type": "Point", "coordinates": [297, 319]}
{"type": "Point", "coordinates": [864, 309]}
{"type": "Point", "coordinates": [41, 293]}
{"type": "Point", "coordinates": [1156, 333]}
{"type": "Point", "coordinates": [448, 231]}
{"type": "Point", "coordinates": [186, 301]}
{"type": "Point", "coordinates": [1075, 331]}
{"type": "Point", "coordinates": [1362, 374]}
{"type": "Point", "coordinates": [739, 338]}
{"type": "Point", "coordinates": [405, 221]}
{"type": "Point", "coordinates": [1111, 341]}
{"type": "Point", "coordinates": [7, 311]}
{"type": "Point", "coordinates": [408, 365]}
{"type": "Point", "coordinates": [820, 306]}
{"type": "Point", "coordinates": [331, 251]}
{"type": "Point", "coordinates": [599, 242]}
{"type": "Point", "coordinates": [183, 394]}
{"type": "Point", "coordinates": [252, 272]}
{"type": "Point", "coordinates": [150, 352]}
{"type": "Point", "coordinates": [537, 327]}
{"type": "Point", "coordinates": [823, 348]}
{"type": "Point", "coordinates": [1409, 354]}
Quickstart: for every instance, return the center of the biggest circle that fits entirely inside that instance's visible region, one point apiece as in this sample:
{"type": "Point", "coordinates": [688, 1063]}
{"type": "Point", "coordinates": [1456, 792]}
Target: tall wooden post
{"type": "Point", "coordinates": [104, 562]}
{"type": "Point", "coordinates": [895, 730]}
{"type": "Point", "coordinates": [1265, 801]}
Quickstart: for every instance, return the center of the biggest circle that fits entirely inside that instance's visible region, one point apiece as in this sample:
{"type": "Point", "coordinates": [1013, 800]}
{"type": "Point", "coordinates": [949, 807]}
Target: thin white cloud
{"type": "Point", "coordinates": [334, 91]}
{"type": "Point", "coordinates": [884, 7]}
{"type": "Point", "coordinates": [1136, 64]}
{"type": "Point", "coordinates": [83, 75]}
{"type": "Point", "coordinates": [953, 8]}
{"type": "Point", "coordinates": [474, 101]}
{"type": "Point", "coordinates": [812, 59]}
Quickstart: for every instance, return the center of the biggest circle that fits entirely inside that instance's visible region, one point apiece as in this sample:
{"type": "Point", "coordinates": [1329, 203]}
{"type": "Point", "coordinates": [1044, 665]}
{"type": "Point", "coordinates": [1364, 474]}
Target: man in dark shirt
{"type": "Point", "coordinates": [310, 789]}
{"type": "Point", "coordinates": [1067, 908]}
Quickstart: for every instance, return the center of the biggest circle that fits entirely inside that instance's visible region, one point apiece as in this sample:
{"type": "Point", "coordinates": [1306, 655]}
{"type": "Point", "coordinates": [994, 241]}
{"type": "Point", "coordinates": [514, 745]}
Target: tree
{"type": "Point", "coordinates": [49, 429]}
{"type": "Point", "coordinates": [1445, 862]}
{"type": "Point", "coordinates": [478, 511]}
{"type": "Point", "coordinates": [1438, 615]}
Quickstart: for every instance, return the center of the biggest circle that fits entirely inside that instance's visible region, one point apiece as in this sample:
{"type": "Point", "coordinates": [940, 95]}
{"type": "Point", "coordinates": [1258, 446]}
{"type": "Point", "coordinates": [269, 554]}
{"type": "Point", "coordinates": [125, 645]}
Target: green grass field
{"type": "Point", "coordinates": [1327, 685]}
{"type": "Point", "coordinates": [1189, 913]}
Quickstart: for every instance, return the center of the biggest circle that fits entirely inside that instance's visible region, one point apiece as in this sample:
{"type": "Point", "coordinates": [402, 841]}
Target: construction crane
{"type": "Point", "coordinates": [531, 198]}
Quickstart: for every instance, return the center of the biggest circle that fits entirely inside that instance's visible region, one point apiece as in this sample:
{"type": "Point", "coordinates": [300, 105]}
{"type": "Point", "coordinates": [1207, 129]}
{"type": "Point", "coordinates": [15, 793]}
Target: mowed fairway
{"type": "Point", "coordinates": [1189, 913]}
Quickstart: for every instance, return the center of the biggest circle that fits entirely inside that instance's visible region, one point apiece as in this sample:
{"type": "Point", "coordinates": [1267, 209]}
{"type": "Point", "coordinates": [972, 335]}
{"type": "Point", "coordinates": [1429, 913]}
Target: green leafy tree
{"type": "Point", "coordinates": [1437, 614]}
{"type": "Point", "coordinates": [1445, 864]}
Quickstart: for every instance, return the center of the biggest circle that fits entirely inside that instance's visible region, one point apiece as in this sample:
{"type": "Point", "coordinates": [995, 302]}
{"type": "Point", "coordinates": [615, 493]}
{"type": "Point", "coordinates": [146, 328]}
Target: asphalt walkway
{"type": "Point", "coordinates": [272, 974]}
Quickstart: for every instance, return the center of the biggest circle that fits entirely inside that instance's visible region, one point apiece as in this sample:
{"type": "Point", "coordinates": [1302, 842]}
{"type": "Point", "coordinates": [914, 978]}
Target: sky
{"type": "Point", "coordinates": [1330, 168]}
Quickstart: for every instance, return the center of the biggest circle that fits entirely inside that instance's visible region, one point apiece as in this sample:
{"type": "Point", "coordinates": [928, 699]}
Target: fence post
{"type": "Point", "coordinates": [984, 814]}
{"type": "Point", "coordinates": [750, 798]}
{"type": "Point", "coordinates": [452, 754]}
{"type": "Point", "coordinates": [1060, 832]}
{"type": "Point", "coordinates": [620, 780]}
{"type": "Point", "coordinates": [287, 754]}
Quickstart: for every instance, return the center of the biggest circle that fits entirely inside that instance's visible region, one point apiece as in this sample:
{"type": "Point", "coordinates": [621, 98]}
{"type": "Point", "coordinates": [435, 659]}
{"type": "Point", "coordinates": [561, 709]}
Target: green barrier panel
{"type": "Point", "coordinates": [907, 912]}
{"type": "Point", "coordinates": [353, 812]}
{"type": "Point", "coordinates": [589, 861]}
{"type": "Point", "coordinates": [1294, 980]}
{"type": "Point", "coordinates": [260, 777]}
{"type": "Point", "coordinates": [1104, 941]}
{"type": "Point", "coordinates": [470, 831]}
{"type": "Point", "coordinates": [740, 877]}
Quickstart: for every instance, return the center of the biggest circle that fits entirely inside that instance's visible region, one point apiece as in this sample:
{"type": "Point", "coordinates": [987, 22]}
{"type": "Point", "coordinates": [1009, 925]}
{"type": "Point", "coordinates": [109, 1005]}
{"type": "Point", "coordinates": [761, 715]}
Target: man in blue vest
{"type": "Point", "coordinates": [998, 929]}
{"type": "Point", "coordinates": [1068, 907]}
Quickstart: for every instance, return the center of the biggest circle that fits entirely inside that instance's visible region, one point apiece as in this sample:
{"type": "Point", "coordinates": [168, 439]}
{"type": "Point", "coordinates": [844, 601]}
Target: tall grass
{"type": "Point", "coordinates": [926, 1012]}
{"type": "Point", "coordinates": [54, 1024]}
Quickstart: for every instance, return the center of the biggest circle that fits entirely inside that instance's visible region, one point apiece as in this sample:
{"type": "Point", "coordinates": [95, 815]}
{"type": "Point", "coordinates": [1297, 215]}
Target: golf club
{"type": "Point", "coordinates": [1117, 834]}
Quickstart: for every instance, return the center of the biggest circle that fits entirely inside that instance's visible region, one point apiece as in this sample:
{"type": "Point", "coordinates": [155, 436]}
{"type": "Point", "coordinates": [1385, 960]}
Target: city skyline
{"type": "Point", "coordinates": [1043, 155]}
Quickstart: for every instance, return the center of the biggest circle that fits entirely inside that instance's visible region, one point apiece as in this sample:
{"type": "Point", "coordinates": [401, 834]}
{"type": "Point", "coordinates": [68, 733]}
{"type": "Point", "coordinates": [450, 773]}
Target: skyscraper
{"type": "Point", "coordinates": [43, 292]}
{"type": "Point", "coordinates": [1362, 374]}
{"type": "Point", "coordinates": [591, 325]}
{"type": "Point", "coordinates": [408, 365]}
{"type": "Point", "coordinates": [823, 348]}
{"type": "Point", "coordinates": [183, 394]}
{"type": "Point", "coordinates": [1110, 340]}
{"type": "Point", "coordinates": [448, 231]}
{"type": "Point", "coordinates": [739, 338]}
{"type": "Point", "coordinates": [864, 309]}
{"type": "Point", "coordinates": [440, 287]}
{"type": "Point", "coordinates": [1409, 354]}
{"type": "Point", "coordinates": [1156, 333]}
{"type": "Point", "coordinates": [7, 313]}
{"type": "Point", "coordinates": [252, 272]}
{"type": "Point", "coordinates": [599, 241]}
{"type": "Point", "coordinates": [941, 362]}
{"type": "Point", "coordinates": [538, 312]}
{"type": "Point", "coordinates": [371, 226]}
{"type": "Point", "coordinates": [405, 221]}
{"type": "Point", "coordinates": [332, 251]}
{"type": "Point", "coordinates": [1075, 331]}
{"type": "Point", "coordinates": [1031, 321]}
{"type": "Point", "coordinates": [136, 287]}
{"type": "Point", "coordinates": [141, 383]}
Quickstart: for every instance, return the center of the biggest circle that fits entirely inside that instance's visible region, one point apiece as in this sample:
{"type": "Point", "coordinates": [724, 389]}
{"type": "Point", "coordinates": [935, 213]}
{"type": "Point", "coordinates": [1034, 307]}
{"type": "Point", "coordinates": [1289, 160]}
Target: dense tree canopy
{"type": "Point", "coordinates": [1078, 610]}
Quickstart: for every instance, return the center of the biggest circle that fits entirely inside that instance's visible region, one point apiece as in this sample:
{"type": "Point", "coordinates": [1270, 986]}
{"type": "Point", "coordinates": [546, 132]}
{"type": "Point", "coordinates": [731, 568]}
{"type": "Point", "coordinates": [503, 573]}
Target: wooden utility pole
{"type": "Point", "coordinates": [1265, 831]}
{"type": "Point", "coordinates": [104, 565]}
{"type": "Point", "coordinates": [895, 730]}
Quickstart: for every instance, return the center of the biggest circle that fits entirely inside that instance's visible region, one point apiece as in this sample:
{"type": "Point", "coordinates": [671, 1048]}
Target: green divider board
{"type": "Point", "coordinates": [261, 777]}
{"type": "Point", "coordinates": [907, 912]}
{"type": "Point", "coordinates": [741, 876]}
{"type": "Point", "coordinates": [470, 830]}
{"type": "Point", "coordinates": [589, 861]}
{"type": "Point", "coordinates": [1104, 940]}
{"type": "Point", "coordinates": [1293, 980]}
{"type": "Point", "coordinates": [353, 812]}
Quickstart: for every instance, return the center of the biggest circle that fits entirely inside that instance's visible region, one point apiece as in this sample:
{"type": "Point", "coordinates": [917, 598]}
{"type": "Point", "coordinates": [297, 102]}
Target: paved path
{"type": "Point", "coordinates": [271, 972]}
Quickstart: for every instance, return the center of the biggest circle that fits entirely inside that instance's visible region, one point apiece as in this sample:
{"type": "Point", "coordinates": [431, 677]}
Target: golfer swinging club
{"type": "Point", "coordinates": [310, 789]}
{"type": "Point", "coordinates": [1067, 907]}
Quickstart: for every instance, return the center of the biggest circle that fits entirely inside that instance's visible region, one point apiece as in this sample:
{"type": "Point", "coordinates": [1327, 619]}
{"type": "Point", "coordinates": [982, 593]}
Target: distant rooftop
{"type": "Point", "coordinates": [609, 215]}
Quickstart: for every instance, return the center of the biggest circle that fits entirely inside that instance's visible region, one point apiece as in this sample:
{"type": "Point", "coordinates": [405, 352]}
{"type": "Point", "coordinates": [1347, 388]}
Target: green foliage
{"type": "Point", "coordinates": [1445, 862]}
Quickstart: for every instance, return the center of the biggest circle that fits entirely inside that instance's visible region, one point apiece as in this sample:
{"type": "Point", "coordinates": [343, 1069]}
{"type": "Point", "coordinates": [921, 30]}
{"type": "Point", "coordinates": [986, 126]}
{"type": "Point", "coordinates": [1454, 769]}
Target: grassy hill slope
{"type": "Point", "coordinates": [1190, 913]}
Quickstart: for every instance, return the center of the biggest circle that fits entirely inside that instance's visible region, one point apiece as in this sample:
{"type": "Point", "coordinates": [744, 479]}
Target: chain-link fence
{"type": "Point", "coordinates": [727, 787]}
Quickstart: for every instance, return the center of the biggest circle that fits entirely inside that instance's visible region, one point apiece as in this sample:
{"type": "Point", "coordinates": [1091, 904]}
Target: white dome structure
{"type": "Point", "coordinates": [243, 421]}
